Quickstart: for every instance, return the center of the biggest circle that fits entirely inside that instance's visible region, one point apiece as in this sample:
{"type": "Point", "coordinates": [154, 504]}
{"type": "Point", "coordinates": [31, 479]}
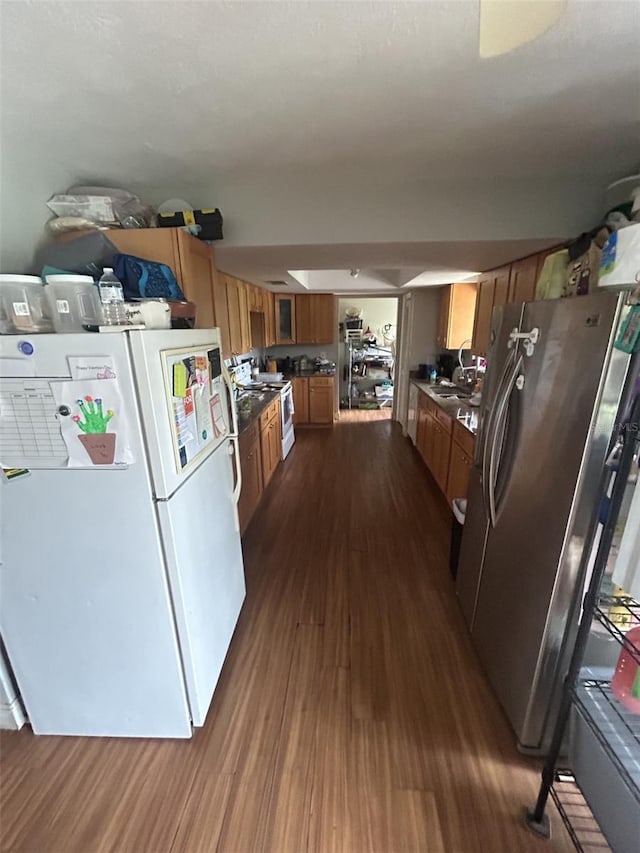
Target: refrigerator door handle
{"type": "Point", "coordinates": [226, 378]}
{"type": "Point", "coordinates": [501, 410]}
{"type": "Point", "coordinates": [488, 435]}
{"type": "Point", "coordinates": [235, 450]}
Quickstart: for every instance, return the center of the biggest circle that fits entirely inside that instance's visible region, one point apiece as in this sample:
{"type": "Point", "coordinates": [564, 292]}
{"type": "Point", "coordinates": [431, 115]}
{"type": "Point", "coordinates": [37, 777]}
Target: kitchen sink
{"type": "Point", "coordinates": [449, 391]}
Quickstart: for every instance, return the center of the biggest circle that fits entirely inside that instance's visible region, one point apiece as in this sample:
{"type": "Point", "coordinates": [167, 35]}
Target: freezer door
{"type": "Point", "coordinates": [541, 448]}
{"type": "Point", "coordinates": [183, 401]}
{"type": "Point", "coordinates": [85, 612]}
{"type": "Point", "coordinates": [476, 526]}
{"type": "Point", "coordinates": [204, 560]}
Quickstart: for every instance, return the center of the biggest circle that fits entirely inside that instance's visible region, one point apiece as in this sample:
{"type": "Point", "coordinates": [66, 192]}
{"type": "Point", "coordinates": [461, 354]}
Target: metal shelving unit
{"type": "Point", "coordinates": [358, 352]}
{"type": "Point", "coordinates": [604, 779]}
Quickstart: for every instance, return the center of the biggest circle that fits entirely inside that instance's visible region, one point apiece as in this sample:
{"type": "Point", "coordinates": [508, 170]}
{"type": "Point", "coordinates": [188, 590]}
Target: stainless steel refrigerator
{"type": "Point", "coordinates": [551, 396]}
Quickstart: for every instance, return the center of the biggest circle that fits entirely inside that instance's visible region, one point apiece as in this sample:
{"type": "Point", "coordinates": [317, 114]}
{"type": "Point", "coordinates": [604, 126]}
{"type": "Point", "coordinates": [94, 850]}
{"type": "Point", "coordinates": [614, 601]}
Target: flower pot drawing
{"type": "Point", "coordinates": [101, 447]}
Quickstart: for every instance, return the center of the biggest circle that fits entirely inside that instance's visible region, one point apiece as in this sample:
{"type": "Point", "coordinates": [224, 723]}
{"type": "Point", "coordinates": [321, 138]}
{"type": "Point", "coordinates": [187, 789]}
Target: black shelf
{"type": "Point", "coordinates": [627, 617]}
{"type": "Point", "coordinates": [615, 727]}
{"type": "Point", "coordinates": [576, 815]}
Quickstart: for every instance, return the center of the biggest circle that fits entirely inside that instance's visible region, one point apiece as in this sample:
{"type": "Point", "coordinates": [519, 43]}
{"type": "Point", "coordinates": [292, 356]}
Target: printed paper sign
{"type": "Point", "coordinates": [92, 367]}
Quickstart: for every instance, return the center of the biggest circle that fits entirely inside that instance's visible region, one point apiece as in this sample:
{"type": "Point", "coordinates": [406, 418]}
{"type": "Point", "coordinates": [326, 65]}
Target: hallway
{"type": "Point", "coordinates": [350, 716]}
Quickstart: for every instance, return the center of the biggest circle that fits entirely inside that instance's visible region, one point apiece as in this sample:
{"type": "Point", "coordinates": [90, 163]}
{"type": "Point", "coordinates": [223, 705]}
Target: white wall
{"type": "Point", "coordinates": [426, 309]}
{"type": "Point", "coordinates": [377, 312]}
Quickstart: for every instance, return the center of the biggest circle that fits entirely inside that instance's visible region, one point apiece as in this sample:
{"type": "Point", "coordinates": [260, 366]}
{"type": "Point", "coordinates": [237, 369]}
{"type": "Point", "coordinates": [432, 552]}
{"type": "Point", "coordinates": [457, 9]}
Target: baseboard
{"type": "Point", "coordinates": [11, 715]}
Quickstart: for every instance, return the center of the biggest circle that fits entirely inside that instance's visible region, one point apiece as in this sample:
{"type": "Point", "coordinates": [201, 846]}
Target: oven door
{"type": "Point", "coordinates": [286, 407]}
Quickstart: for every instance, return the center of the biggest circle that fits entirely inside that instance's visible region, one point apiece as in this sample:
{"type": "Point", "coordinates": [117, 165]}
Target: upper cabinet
{"type": "Point", "coordinates": [522, 280]}
{"type": "Point", "coordinates": [316, 321]}
{"type": "Point", "coordinates": [457, 311]}
{"type": "Point", "coordinates": [269, 308]}
{"type": "Point", "coordinates": [238, 312]}
{"type": "Point", "coordinates": [484, 307]}
{"type": "Point", "coordinates": [191, 260]}
{"type": "Point", "coordinates": [285, 316]}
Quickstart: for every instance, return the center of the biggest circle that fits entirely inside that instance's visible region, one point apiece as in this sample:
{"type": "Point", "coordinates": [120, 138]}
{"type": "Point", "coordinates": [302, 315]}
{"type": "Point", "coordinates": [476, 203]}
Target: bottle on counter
{"type": "Point", "coordinates": [434, 376]}
{"type": "Point", "coordinates": [112, 299]}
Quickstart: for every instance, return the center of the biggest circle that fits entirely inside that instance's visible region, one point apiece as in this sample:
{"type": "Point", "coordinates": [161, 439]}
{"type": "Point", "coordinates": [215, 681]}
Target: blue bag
{"type": "Point", "coordinates": [143, 279]}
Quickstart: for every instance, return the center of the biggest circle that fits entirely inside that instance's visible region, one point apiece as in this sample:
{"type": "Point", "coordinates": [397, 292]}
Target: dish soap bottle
{"type": "Point", "coordinates": [112, 299]}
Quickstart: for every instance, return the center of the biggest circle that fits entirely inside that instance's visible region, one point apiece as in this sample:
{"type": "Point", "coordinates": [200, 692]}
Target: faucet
{"type": "Point", "coordinates": [464, 369]}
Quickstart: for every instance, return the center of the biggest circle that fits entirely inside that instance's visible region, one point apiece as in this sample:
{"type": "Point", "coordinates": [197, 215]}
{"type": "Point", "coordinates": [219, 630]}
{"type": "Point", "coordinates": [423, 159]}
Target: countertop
{"type": "Point", "coordinates": [306, 373]}
{"type": "Point", "coordinates": [254, 408]}
{"type": "Point", "coordinates": [459, 409]}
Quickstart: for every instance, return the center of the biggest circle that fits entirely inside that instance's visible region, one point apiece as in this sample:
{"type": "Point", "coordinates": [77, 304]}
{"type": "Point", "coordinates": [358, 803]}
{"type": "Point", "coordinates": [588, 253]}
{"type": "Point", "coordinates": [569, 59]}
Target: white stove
{"type": "Point", "coordinates": [242, 375]}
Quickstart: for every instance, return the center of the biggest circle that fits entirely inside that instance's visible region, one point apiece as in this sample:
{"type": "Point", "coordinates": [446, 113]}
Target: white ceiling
{"type": "Point", "coordinates": [240, 104]}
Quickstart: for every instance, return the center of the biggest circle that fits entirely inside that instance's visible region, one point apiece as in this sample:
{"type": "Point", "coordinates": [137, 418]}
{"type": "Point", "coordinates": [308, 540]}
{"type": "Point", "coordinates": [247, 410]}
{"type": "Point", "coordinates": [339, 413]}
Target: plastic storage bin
{"type": "Point", "coordinates": [73, 301]}
{"type": "Point", "coordinates": [24, 304]}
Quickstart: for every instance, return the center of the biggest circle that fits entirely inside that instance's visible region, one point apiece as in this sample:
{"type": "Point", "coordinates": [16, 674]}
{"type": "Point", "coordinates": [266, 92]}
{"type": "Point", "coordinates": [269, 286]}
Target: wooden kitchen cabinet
{"type": "Point", "coordinates": [522, 279]}
{"type": "Point", "coordinates": [251, 465]}
{"type": "Point", "coordinates": [457, 312]}
{"type": "Point", "coordinates": [460, 462]}
{"type": "Point", "coordinates": [316, 321]}
{"type": "Point", "coordinates": [238, 313]}
{"type": "Point", "coordinates": [269, 309]}
{"type": "Point", "coordinates": [270, 440]}
{"type": "Point", "coordinates": [285, 314]}
{"type": "Point", "coordinates": [493, 290]}
{"type": "Point", "coordinates": [221, 309]}
{"type": "Point", "coordinates": [191, 260]}
{"type": "Point", "coordinates": [433, 439]}
{"type": "Point", "coordinates": [321, 393]}
{"type": "Point", "coordinates": [313, 400]}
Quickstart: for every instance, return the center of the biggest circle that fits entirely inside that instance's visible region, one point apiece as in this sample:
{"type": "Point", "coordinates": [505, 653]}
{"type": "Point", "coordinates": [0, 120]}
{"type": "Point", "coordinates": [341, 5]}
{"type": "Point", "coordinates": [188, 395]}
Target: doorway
{"type": "Point", "coordinates": [367, 357]}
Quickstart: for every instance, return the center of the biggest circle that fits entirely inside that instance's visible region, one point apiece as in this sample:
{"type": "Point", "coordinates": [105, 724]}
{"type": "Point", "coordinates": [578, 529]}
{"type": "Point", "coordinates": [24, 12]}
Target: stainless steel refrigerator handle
{"type": "Point", "coordinates": [487, 431]}
{"type": "Point", "coordinates": [500, 412]}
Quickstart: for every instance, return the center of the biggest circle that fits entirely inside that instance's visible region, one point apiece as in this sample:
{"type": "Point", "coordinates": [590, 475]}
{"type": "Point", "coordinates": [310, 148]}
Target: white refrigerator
{"type": "Point", "coordinates": [121, 579]}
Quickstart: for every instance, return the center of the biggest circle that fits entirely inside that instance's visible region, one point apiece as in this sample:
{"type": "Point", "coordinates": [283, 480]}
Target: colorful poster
{"type": "Point", "coordinates": [94, 422]}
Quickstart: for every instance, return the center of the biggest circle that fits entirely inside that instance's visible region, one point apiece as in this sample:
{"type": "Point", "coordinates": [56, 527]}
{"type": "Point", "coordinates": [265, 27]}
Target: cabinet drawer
{"type": "Point", "coordinates": [425, 402]}
{"type": "Point", "coordinates": [464, 439]}
{"type": "Point", "coordinates": [443, 419]}
{"type": "Point", "coordinates": [269, 414]}
{"type": "Point", "coordinates": [320, 381]}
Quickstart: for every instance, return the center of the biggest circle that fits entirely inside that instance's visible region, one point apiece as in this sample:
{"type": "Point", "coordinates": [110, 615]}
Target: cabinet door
{"type": "Point", "coordinates": [324, 322]}
{"type": "Point", "coordinates": [304, 324]}
{"type": "Point", "coordinates": [460, 315]}
{"type": "Point", "coordinates": [442, 451]}
{"type": "Point", "coordinates": [251, 462]}
{"type": "Point", "coordinates": [245, 323]}
{"type": "Point", "coordinates": [285, 319]}
{"type": "Point", "coordinates": [152, 244]}
{"type": "Point", "coordinates": [233, 307]}
{"type": "Point", "coordinates": [482, 323]}
{"type": "Point", "coordinates": [221, 310]}
{"type": "Point", "coordinates": [522, 280]}
{"type": "Point", "coordinates": [320, 401]}
{"type": "Point", "coordinates": [196, 261]}
{"type": "Point", "coordinates": [300, 400]}
{"type": "Point", "coordinates": [501, 286]}
{"type": "Point", "coordinates": [459, 471]}
{"type": "Point", "coordinates": [268, 303]}
{"type": "Point", "coordinates": [443, 317]}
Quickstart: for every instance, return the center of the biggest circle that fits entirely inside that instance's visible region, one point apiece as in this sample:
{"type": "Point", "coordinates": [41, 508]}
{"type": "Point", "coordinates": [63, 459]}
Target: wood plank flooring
{"type": "Point", "coordinates": [351, 714]}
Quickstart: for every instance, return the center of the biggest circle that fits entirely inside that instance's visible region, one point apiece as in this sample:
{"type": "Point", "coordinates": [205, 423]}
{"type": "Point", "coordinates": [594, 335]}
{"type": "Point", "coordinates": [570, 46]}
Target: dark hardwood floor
{"type": "Point", "coordinates": [351, 714]}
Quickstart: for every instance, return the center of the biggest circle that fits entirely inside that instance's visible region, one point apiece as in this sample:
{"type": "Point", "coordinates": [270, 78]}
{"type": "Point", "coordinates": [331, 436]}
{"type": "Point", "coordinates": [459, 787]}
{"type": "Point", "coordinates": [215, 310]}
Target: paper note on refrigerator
{"type": "Point", "coordinates": [91, 367]}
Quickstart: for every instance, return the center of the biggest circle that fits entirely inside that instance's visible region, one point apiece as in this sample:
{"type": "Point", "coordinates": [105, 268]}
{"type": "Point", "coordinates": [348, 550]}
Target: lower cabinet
{"type": "Point", "coordinates": [313, 400]}
{"type": "Point", "coordinates": [251, 464]}
{"type": "Point", "coordinates": [270, 442]}
{"type": "Point", "coordinates": [460, 462]}
{"type": "Point", "coordinates": [446, 448]}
